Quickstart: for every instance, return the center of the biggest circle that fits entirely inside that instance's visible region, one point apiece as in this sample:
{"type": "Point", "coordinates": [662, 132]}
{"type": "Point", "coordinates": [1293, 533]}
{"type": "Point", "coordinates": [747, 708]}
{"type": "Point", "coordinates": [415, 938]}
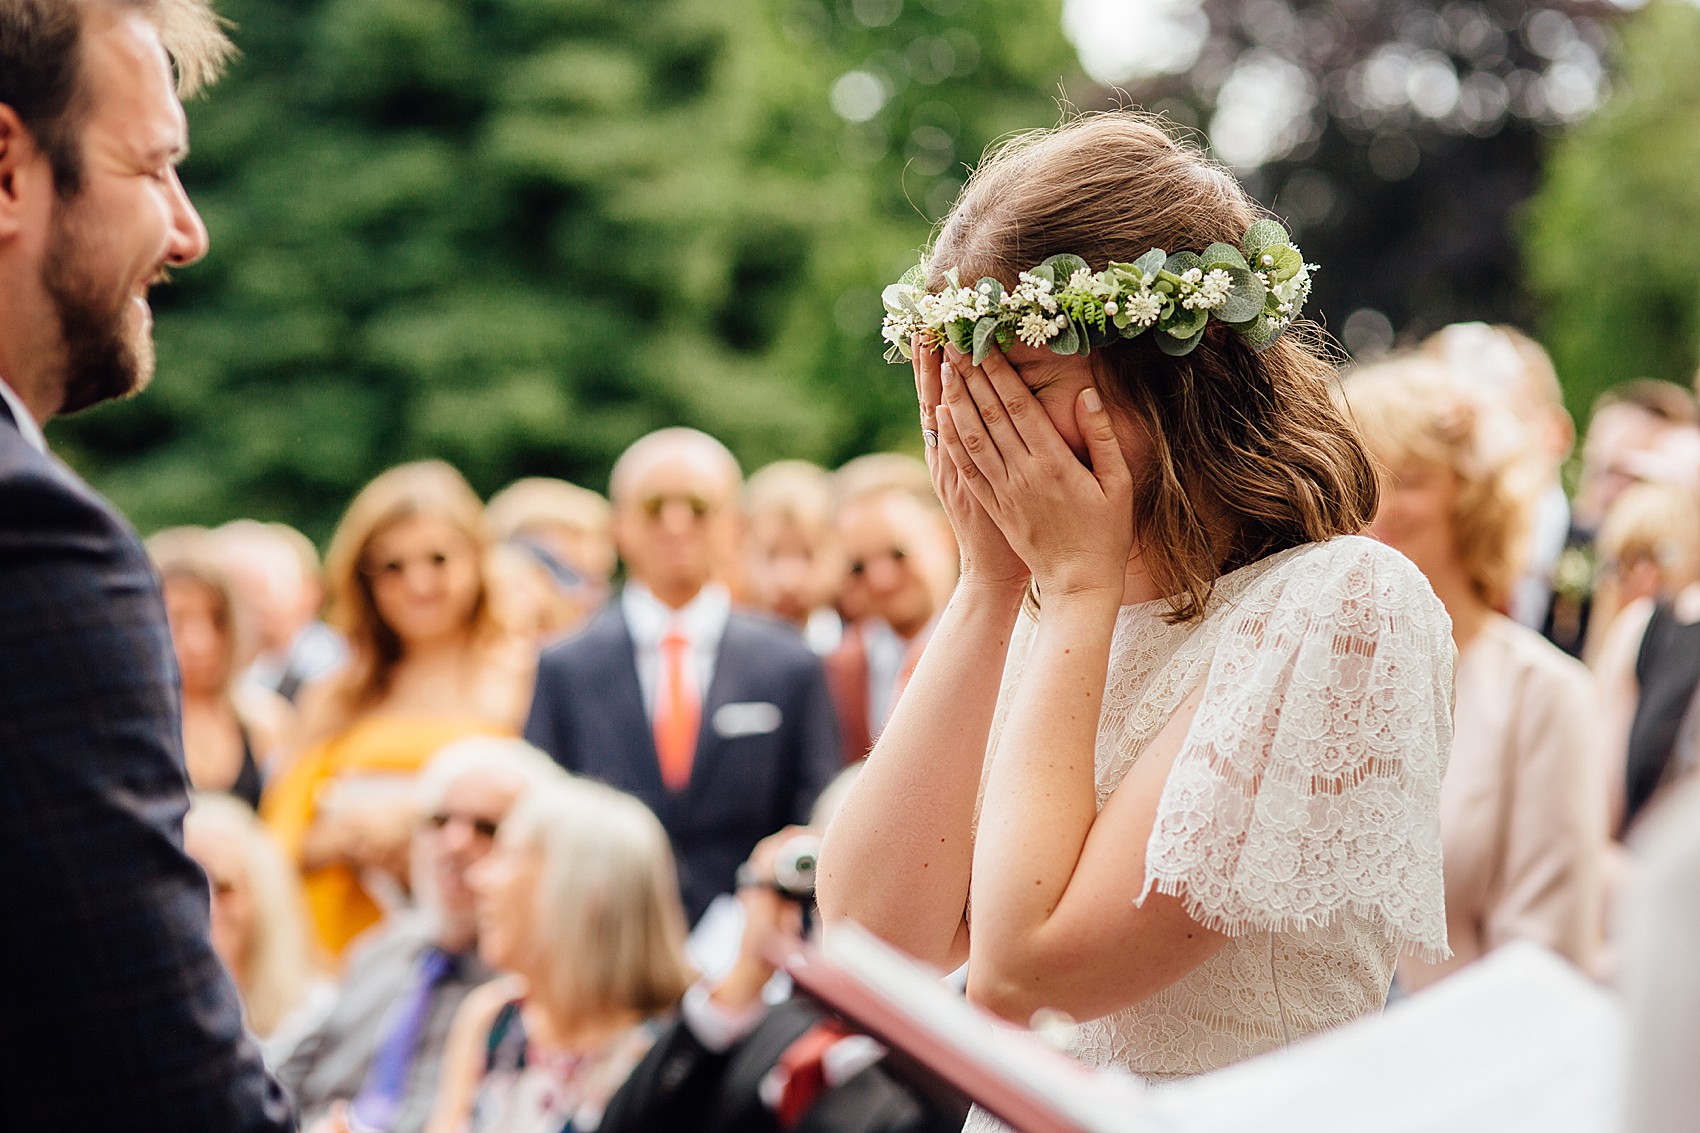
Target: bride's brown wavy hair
{"type": "Point", "coordinates": [1250, 452]}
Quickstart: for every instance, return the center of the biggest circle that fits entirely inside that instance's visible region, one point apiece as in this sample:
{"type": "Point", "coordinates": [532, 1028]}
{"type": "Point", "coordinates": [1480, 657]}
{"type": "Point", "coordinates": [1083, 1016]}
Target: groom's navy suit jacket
{"type": "Point", "coordinates": [115, 1014]}
{"type": "Point", "coordinates": [767, 745]}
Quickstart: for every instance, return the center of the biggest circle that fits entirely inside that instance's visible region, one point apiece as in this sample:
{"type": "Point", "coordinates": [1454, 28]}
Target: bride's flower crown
{"type": "Point", "coordinates": [1257, 289]}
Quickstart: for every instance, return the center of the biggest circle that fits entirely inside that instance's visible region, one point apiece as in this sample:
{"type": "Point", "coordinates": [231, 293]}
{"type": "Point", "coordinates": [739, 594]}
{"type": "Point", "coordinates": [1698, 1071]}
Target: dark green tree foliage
{"type": "Point", "coordinates": [517, 234]}
{"type": "Point", "coordinates": [1419, 136]}
{"type": "Point", "coordinates": [1606, 236]}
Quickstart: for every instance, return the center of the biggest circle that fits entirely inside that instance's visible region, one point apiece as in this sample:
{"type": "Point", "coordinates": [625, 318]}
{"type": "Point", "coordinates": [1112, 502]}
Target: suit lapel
{"type": "Point", "coordinates": [625, 703]}
{"type": "Point", "coordinates": [722, 690]}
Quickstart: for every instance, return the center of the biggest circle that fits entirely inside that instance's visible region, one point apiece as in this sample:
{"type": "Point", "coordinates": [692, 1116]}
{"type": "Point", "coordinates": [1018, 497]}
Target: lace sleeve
{"type": "Point", "coordinates": [1309, 781]}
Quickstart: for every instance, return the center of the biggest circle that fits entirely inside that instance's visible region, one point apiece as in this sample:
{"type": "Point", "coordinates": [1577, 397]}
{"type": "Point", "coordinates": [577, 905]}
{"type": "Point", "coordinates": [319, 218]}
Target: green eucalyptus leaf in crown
{"type": "Point", "coordinates": [1256, 289]}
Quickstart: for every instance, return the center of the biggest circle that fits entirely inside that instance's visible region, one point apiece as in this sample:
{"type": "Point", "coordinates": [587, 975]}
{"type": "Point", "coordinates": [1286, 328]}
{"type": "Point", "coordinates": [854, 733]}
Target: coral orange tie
{"type": "Point", "coordinates": [678, 713]}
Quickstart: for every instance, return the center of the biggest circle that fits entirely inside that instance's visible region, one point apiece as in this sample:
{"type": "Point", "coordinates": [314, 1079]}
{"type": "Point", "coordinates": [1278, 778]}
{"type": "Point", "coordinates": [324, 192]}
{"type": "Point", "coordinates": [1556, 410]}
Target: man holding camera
{"type": "Point", "coordinates": [746, 1056]}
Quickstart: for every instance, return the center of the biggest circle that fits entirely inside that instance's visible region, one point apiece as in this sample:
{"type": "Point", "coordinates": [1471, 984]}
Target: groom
{"type": "Point", "coordinates": [117, 1013]}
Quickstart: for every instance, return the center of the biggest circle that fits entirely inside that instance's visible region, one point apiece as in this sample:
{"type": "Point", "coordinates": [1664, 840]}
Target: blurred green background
{"type": "Point", "coordinates": [517, 234]}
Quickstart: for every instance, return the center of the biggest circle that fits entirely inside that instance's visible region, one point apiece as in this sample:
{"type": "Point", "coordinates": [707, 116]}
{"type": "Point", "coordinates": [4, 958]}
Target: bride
{"type": "Point", "coordinates": [1199, 811]}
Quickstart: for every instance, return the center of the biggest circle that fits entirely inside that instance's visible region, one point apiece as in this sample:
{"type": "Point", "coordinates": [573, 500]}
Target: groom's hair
{"type": "Point", "coordinates": [41, 66]}
{"type": "Point", "coordinates": [1249, 452]}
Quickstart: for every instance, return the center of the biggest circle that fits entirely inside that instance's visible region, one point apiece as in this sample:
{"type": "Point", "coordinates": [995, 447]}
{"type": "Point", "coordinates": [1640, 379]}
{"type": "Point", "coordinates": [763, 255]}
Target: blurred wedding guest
{"type": "Point", "coordinates": [1515, 367]}
{"type": "Point", "coordinates": [1522, 820]}
{"type": "Point", "coordinates": [1649, 673]}
{"type": "Point", "coordinates": [1648, 548]}
{"type": "Point", "coordinates": [428, 663]}
{"type": "Point", "coordinates": [229, 731]}
{"type": "Point", "coordinates": [259, 924]}
{"type": "Point", "coordinates": [720, 721]}
{"type": "Point", "coordinates": [579, 903]}
{"type": "Point", "coordinates": [792, 566]}
{"type": "Point", "coordinates": [900, 567]}
{"type": "Point", "coordinates": [1660, 934]}
{"type": "Point", "coordinates": [1634, 434]}
{"type": "Point", "coordinates": [744, 1055]}
{"type": "Point", "coordinates": [274, 571]}
{"type": "Point", "coordinates": [567, 533]}
{"type": "Point", "coordinates": [380, 1047]}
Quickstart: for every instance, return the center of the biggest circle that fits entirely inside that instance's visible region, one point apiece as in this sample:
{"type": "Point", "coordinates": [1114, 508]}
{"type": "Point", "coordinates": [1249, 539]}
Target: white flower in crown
{"type": "Point", "coordinates": [1143, 307]}
{"type": "Point", "coordinates": [1095, 284]}
{"type": "Point", "coordinates": [899, 329]}
{"type": "Point", "coordinates": [1038, 292]}
{"type": "Point", "coordinates": [1035, 329]}
{"type": "Point", "coordinates": [1211, 291]}
{"type": "Point", "coordinates": [952, 304]}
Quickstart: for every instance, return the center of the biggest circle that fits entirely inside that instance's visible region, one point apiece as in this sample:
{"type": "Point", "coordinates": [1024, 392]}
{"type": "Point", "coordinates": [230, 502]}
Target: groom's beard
{"type": "Point", "coordinates": [107, 345]}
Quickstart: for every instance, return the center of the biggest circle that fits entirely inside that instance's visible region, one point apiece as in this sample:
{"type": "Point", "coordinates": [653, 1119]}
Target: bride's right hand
{"type": "Point", "coordinates": [987, 560]}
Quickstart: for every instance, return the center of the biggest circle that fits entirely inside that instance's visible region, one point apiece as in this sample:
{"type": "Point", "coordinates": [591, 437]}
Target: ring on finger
{"type": "Point", "coordinates": [930, 437]}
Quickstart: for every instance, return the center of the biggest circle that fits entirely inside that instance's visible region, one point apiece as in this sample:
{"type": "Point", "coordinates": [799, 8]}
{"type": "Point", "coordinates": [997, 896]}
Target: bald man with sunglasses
{"type": "Point", "coordinates": [720, 721]}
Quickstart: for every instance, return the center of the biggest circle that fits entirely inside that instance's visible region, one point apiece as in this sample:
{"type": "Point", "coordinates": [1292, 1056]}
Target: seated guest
{"type": "Point", "coordinates": [259, 926]}
{"type": "Point", "coordinates": [1522, 820]}
{"type": "Point", "coordinates": [900, 569]}
{"type": "Point", "coordinates": [229, 732]}
{"type": "Point", "coordinates": [792, 567]}
{"type": "Point", "coordinates": [380, 1046]}
{"type": "Point", "coordinates": [743, 1054]}
{"type": "Point", "coordinates": [579, 903]}
{"type": "Point", "coordinates": [429, 663]}
{"type": "Point", "coordinates": [274, 571]}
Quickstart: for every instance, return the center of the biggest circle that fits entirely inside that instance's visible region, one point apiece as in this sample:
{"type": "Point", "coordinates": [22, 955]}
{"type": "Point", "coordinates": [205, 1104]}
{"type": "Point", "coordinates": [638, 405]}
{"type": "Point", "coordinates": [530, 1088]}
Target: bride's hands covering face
{"type": "Point", "coordinates": [1071, 524]}
{"type": "Point", "coordinates": [986, 555]}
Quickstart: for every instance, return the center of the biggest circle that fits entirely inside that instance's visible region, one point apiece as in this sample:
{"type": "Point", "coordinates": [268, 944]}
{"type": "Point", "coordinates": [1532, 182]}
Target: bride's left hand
{"type": "Point", "coordinates": [1071, 524]}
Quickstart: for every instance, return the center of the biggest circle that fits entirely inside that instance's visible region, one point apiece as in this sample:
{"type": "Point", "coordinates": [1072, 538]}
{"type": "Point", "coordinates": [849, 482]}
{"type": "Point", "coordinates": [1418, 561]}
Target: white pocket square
{"type": "Point", "coordinates": [751, 718]}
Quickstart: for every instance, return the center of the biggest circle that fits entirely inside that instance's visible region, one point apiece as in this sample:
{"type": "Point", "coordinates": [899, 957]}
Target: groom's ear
{"type": "Point", "coordinates": [25, 175]}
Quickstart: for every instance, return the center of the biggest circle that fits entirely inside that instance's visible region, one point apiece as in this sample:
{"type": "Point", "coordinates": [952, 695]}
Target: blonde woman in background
{"type": "Point", "coordinates": [259, 923]}
{"type": "Point", "coordinates": [579, 903]}
{"type": "Point", "coordinates": [230, 730]}
{"type": "Point", "coordinates": [429, 663]}
{"type": "Point", "coordinates": [1648, 550]}
{"type": "Point", "coordinates": [557, 546]}
{"type": "Point", "coordinates": [1522, 815]}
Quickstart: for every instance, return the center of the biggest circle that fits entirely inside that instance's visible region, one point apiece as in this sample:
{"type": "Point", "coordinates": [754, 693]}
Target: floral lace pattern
{"type": "Point", "coordinates": [1301, 817]}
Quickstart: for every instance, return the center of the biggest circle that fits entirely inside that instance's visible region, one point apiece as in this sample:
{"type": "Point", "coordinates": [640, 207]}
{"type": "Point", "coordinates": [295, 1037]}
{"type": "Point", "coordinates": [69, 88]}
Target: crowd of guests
{"type": "Point", "coordinates": [473, 796]}
{"type": "Point", "coordinates": [473, 815]}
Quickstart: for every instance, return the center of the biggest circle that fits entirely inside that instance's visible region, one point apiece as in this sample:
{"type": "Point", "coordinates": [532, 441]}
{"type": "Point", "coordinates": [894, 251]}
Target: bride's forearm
{"type": "Point", "coordinates": [897, 855]}
{"type": "Point", "coordinates": [1041, 796]}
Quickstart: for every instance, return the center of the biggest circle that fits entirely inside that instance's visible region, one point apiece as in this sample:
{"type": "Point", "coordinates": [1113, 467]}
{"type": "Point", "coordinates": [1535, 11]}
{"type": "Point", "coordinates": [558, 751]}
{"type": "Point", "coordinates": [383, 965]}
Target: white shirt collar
{"type": "Point", "coordinates": [703, 618]}
{"type": "Point", "coordinates": [26, 423]}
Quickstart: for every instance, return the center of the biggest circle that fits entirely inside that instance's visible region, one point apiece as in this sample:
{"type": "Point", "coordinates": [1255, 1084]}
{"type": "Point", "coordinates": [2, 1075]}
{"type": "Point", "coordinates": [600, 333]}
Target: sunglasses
{"type": "Point", "coordinates": [653, 506]}
{"type": "Point", "coordinates": [388, 569]}
{"type": "Point", "coordinates": [859, 567]}
{"type": "Point", "coordinates": [484, 828]}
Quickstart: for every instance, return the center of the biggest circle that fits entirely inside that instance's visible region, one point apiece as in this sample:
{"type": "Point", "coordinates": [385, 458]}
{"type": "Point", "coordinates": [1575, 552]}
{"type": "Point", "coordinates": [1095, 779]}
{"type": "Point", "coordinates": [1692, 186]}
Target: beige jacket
{"type": "Point", "coordinates": [1522, 809]}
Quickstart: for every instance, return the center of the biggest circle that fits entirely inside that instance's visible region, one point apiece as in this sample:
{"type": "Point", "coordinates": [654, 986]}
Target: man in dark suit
{"type": "Point", "coordinates": [719, 721]}
{"type": "Point", "coordinates": [116, 1013]}
{"type": "Point", "coordinates": [743, 1055]}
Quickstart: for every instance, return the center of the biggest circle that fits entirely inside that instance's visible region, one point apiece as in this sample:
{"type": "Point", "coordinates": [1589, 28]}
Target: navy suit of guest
{"type": "Point", "coordinates": [768, 741]}
{"type": "Point", "coordinates": [116, 1012]}
{"type": "Point", "coordinates": [720, 722]}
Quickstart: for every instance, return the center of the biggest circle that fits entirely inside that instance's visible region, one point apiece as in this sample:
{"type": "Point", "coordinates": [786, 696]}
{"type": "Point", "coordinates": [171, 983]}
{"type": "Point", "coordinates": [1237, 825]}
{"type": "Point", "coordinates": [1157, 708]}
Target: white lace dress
{"type": "Point", "coordinates": [1301, 815]}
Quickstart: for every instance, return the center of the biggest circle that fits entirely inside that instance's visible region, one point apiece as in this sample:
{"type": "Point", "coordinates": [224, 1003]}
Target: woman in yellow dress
{"type": "Point", "coordinates": [429, 663]}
